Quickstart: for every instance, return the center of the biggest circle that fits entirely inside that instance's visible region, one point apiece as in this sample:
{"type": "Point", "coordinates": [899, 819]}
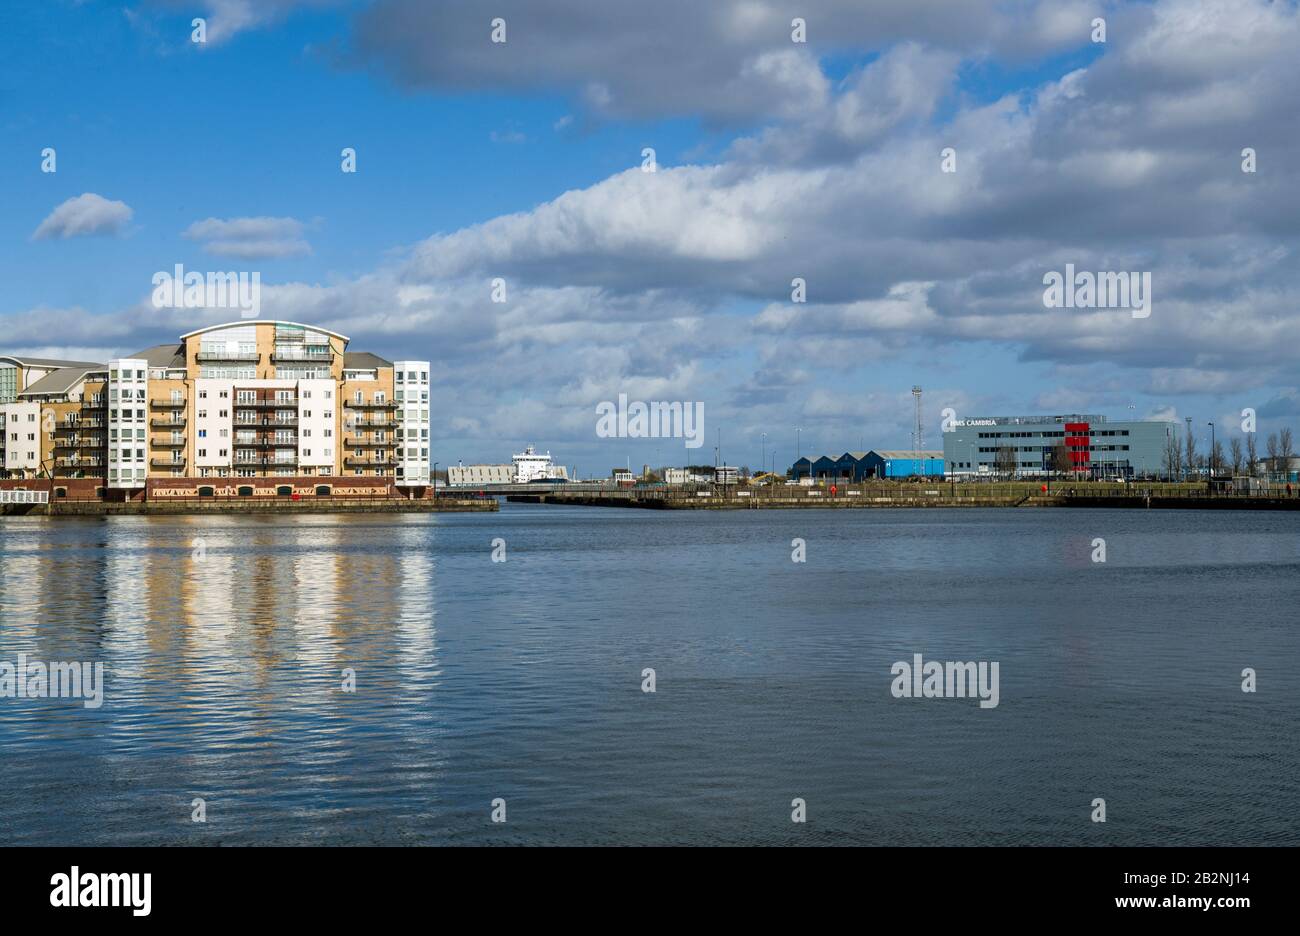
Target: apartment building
{"type": "Point", "coordinates": [244, 399]}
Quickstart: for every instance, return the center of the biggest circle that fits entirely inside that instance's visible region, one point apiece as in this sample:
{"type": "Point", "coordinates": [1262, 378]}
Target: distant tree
{"type": "Point", "coordinates": [1173, 457]}
{"type": "Point", "coordinates": [1274, 452]}
{"type": "Point", "coordinates": [1217, 458]}
{"type": "Point", "coordinates": [1252, 455]}
{"type": "Point", "coordinates": [1189, 451]}
{"type": "Point", "coordinates": [1061, 464]}
{"type": "Point", "coordinates": [1235, 455]}
{"type": "Point", "coordinates": [1285, 449]}
{"type": "Point", "coordinates": [1005, 461]}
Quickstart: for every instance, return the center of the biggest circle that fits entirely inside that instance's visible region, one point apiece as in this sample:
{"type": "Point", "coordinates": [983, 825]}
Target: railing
{"type": "Point", "coordinates": [79, 462]}
{"type": "Point", "coordinates": [169, 443]}
{"type": "Point", "coordinates": [266, 462]}
{"type": "Point", "coordinates": [353, 462]}
{"type": "Point", "coordinates": [267, 424]}
{"type": "Point", "coordinates": [282, 354]}
{"type": "Point", "coordinates": [167, 462]}
{"type": "Point", "coordinates": [206, 356]}
{"type": "Point", "coordinates": [168, 404]}
{"type": "Point", "coordinates": [166, 422]}
{"type": "Point", "coordinates": [372, 404]}
{"type": "Point", "coordinates": [263, 404]}
{"type": "Point", "coordinates": [371, 423]}
{"type": "Point", "coordinates": [268, 442]}
{"type": "Point", "coordinates": [358, 442]}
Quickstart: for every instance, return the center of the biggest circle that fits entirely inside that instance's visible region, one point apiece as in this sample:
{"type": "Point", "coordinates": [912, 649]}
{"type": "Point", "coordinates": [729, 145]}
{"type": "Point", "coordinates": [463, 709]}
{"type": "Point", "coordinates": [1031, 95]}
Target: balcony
{"type": "Point", "coordinates": [173, 403]}
{"type": "Point", "coordinates": [299, 355]}
{"type": "Point", "coordinates": [69, 442]}
{"type": "Point", "coordinates": [268, 442]}
{"type": "Point", "coordinates": [279, 461]}
{"type": "Point", "coordinates": [372, 404]}
{"type": "Point", "coordinates": [353, 462]}
{"type": "Point", "coordinates": [168, 422]}
{"type": "Point", "coordinates": [359, 442]}
{"type": "Point", "coordinates": [172, 462]}
{"type": "Point", "coordinates": [277, 423]}
{"type": "Point", "coordinates": [371, 422]}
{"type": "Point", "coordinates": [79, 462]}
{"type": "Point", "coordinates": [90, 441]}
{"type": "Point", "coordinates": [212, 357]}
{"type": "Point", "coordinates": [174, 442]}
{"type": "Point", "coordinates": [290, 403]}
{"type": "Point", "coordinates": [94, 405]}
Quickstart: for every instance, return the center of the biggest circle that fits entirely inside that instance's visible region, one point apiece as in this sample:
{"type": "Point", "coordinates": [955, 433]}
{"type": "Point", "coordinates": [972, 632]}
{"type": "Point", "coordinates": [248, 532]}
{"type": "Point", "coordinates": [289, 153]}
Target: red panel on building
{"type": "Point", "coordinates": [1078, 442]}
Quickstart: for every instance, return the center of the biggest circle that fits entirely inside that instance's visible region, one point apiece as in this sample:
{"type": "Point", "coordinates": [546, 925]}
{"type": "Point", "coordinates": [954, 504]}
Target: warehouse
{"type": "Point", "coordinates": [822, 468]}
{"type": "Point", "coordinates": [859, 466]}
{"type": "Point", "coordinates": [903, 464]}
{"type": "Point", "coordinates": [1087, 446]}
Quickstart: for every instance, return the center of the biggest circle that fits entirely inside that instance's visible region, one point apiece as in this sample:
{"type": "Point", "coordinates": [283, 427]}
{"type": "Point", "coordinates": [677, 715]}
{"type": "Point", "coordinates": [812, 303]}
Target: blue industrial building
{"type": "Point", "coordinates": [861, 466]}
{"type": "Point", "coordinates": [904, 464]}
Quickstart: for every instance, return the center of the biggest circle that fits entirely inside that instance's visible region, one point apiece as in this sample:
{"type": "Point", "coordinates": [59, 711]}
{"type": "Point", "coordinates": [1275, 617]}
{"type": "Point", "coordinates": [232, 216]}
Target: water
{"type": "Point", "coordinates": [225, 640]}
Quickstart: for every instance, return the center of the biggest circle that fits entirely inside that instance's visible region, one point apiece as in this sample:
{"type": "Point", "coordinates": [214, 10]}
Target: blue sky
{"type": "Point", "coordinates": [776, 160]}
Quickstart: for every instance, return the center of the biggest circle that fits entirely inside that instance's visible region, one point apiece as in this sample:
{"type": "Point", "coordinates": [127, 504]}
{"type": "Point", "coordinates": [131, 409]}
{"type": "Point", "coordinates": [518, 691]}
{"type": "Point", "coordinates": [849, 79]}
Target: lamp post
{"type": "Point", "coordinates": [763, 462]}
{"type": "Point", "coordinates": [434, 478]}
{"type": "Point", "coordinates": [1212, 464]}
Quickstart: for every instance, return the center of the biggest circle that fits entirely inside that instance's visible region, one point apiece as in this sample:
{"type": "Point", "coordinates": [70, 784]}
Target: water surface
{"type": "Point", "coordinates": [225, 640]}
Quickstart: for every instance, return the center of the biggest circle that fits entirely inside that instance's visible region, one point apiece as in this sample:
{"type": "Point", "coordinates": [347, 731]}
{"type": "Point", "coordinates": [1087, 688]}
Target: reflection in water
{"type": "Point", "coordinates": [226, 641]}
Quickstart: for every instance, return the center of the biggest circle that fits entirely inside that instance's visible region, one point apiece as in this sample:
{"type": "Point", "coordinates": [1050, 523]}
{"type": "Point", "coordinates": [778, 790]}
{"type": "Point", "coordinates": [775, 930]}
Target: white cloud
{"type": "Point", "coordinates": [250, 238]}
{"type": "Point", "coordinates": [85, 215]}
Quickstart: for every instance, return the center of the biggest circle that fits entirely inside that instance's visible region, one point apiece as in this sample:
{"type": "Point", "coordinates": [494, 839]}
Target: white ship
{"type": "Point", "coordinates": [530, 465]}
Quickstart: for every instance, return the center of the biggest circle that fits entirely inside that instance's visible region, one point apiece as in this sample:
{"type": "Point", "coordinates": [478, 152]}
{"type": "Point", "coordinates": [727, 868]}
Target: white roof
{"type": "Point", "coordinates": [246, 322]}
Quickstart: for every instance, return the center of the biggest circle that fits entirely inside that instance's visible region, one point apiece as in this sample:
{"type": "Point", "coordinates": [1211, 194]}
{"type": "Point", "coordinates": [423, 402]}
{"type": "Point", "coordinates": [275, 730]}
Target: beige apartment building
{"type": "Point", "coordinates": [244, 399]}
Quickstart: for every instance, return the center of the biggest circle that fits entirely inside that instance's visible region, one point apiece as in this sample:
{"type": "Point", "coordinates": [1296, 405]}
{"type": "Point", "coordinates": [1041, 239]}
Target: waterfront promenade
{"type": "Point", "coordinates": [1154, 495]}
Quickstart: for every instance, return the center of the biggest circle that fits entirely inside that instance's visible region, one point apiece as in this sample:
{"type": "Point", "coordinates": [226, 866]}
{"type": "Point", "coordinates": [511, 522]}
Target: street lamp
{"type": "Point", "coordinates": [1212, 451]}
{"type": "Point", "coordinates": [763, 462]}
{"type": "Point", "coordinates": [434, 478]}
